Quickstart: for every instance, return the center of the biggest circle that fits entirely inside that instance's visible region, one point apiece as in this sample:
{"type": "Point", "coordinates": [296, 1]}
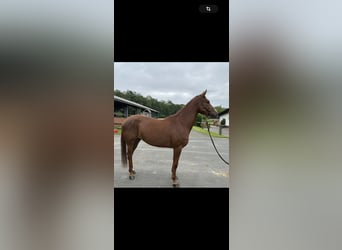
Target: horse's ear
{"type": "Point", "coordinates": [204, 92]}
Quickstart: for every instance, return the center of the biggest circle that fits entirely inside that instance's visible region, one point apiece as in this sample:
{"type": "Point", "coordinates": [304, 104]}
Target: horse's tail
{"type": "Point", "coordinates": [123, 151]}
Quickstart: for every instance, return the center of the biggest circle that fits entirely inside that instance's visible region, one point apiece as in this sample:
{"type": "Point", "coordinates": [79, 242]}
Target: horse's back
{"type": "Point", "coordinates": [132, 124]}
{"type": "Point", "coordinates": [135, 120]}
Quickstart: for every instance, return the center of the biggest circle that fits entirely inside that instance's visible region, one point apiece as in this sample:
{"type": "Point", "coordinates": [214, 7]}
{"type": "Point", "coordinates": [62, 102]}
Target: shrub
{"type": "Point", "coordinates": [198, 120]}
{"type": "Point", "coordinates": [223, 122]}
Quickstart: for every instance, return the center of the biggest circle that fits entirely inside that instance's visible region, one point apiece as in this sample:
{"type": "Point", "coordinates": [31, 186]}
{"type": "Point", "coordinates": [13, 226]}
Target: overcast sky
{"type": "Point", "coordinates": [177, 82]}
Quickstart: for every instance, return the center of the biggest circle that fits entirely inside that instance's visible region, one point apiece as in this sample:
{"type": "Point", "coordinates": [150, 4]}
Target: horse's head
{"type": "Point", "coordinates": [205, 107]}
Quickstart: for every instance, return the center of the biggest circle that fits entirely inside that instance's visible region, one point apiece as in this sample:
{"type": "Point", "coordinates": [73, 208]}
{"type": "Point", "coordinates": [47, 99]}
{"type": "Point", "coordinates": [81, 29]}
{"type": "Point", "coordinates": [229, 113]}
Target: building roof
{"type": "Point", "coordinates": [131, 103]}
{"type": "Point", "coordinates": [226, 111]}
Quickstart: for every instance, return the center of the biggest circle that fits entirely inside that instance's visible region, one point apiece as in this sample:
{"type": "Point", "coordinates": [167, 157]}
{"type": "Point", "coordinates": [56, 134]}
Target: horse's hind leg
{"type": "Point", "coordinates": [131, 148]}
{"type": "Point", "coordinates": [131, 169]}
{"type": "Point", "coordinates": [130, 161]}
{"type": "Point", "coordinates": [135, 144]}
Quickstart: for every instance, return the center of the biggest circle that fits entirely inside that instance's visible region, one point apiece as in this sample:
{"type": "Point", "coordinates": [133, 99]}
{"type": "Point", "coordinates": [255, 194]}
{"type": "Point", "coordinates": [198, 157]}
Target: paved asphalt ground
{"type": "Point", "coordinates": [199, 165]}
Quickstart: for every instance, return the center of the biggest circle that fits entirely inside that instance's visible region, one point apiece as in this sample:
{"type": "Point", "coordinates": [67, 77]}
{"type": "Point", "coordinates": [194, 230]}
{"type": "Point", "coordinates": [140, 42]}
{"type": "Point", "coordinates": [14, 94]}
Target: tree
{"type": "Point", "coordinates": [165, 108]}
{"type": "Point", "coordinates": [219, 109]}
{"type": "Point", "coordinates": [198, 120]}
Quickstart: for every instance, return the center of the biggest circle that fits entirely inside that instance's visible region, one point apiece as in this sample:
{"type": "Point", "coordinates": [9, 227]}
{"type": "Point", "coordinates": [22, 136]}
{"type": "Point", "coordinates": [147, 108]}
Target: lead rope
{"type": "Point", "coordinates": [214, 145]}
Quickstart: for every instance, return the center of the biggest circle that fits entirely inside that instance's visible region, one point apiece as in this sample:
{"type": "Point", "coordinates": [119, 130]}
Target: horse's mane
{"type": "Point", "coordinates": [185, 106]}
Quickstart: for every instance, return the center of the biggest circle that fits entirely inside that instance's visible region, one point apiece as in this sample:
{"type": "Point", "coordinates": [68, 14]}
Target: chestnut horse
{"type": "Point", "coordinates": [171, 132]}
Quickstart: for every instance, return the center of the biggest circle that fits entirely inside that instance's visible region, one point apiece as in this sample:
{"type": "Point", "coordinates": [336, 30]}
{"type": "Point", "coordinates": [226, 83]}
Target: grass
{"type": "Point", "coordinates": [205, 131]}
{"type": "Point", "coordinates": [118, 129]}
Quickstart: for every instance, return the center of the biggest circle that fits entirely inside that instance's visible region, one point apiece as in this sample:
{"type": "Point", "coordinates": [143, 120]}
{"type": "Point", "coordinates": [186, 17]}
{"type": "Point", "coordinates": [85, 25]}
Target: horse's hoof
{"type": "Point", "coordinates": [175, 181]}
{"type": "Point", "coordinates": [131, 177]}
{"type": "Point", "coordinates": [175, 185]}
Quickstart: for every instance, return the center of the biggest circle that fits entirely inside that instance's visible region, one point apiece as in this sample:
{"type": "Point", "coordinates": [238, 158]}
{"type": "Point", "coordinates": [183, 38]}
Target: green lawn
{"type": "Point", "coordinates": [119, 130]}
{"type": "Point", "coordinates": [205, 131]}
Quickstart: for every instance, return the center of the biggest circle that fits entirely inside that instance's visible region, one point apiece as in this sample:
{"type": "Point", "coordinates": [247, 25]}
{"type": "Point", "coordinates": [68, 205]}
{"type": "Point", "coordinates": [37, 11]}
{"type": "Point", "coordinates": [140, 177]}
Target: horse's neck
{"type": "Point", "coordinates": [187, 115]}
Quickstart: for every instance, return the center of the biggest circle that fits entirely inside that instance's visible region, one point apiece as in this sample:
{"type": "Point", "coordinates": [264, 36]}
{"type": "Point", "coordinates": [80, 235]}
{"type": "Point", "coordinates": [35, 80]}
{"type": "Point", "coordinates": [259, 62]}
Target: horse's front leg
{"type": "Point", "coordinates": [176, 154]}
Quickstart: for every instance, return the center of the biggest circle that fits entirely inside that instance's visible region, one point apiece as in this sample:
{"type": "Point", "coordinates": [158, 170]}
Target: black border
{"type": "Point", "coordinates": [163, 218]}
{"type": "Point", "coordinates": [170, 31]}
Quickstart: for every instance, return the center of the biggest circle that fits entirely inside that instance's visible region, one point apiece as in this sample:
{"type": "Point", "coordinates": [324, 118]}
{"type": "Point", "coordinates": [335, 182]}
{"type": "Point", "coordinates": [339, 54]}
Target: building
{"type": "Point", "coordinates": [124, 108]}
{"type": "Point", "coordinates": [224, 115]}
